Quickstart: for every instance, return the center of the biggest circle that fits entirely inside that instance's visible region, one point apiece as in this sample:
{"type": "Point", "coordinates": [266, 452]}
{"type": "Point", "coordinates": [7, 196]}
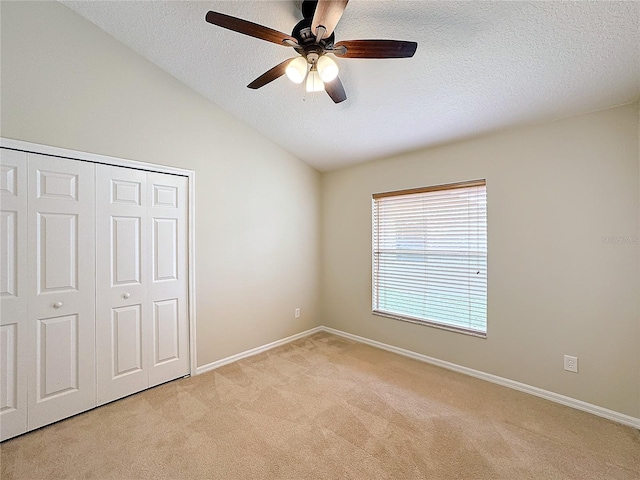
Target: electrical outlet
{"type": "Point", "coordinates": [571, 363]}
{"type": "Point", "coordinates": [296, 313]}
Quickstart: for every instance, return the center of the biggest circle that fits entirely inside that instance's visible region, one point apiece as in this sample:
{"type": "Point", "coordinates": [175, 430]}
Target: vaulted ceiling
{"type": "Point", "coordinates": [479, 67]}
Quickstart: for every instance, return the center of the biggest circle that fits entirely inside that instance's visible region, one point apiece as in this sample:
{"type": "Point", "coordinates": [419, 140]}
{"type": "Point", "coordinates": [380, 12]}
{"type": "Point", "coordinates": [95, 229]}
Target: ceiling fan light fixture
{"type": "Point", "coordinates": [327, 68]}
{"type": "Point", "coordinates": [297, 70]}
{"type": "Point", "coordinates": [314, 82]}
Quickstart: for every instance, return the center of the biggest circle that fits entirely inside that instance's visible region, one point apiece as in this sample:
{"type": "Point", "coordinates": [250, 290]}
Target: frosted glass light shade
{"type": "Point", "coordinates": [327, 68]}
{"type": "Point", "coordinates": [314, 82]}
{"type": "Point", "coordinates": [297, 70]}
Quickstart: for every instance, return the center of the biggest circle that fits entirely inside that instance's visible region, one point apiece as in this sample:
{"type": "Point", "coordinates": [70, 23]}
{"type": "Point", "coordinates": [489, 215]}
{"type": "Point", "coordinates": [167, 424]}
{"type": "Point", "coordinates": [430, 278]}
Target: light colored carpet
{"type": "Point", "coordinates": [327, 408]}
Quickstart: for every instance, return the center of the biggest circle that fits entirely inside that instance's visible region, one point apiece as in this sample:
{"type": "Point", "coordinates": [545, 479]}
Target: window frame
{"type": "Point", "coordinates": [375, 234]}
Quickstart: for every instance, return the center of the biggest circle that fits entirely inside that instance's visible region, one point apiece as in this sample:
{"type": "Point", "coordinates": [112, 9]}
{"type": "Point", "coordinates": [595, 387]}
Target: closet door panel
{"type": "Point", "coordinates": [167, 290]}
{"type": "Point", "coordinates": [61, 321]}
{"type": "Point", "coordinates": [122, 313]}
{"type": "Point", "coordinates": [13, 293]}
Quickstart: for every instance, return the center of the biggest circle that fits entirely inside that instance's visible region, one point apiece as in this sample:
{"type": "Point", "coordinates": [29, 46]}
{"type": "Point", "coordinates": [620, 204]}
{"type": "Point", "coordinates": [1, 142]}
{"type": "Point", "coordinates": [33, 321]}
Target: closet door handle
{"type": "Point", "coordinates": [126, 295]}
{"type": "Point", "coordinates": [57, 305]}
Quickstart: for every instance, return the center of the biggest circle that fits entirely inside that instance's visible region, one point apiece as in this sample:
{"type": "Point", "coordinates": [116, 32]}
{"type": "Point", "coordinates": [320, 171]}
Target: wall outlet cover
{"type": "Point", "coordinates": [571, 363]}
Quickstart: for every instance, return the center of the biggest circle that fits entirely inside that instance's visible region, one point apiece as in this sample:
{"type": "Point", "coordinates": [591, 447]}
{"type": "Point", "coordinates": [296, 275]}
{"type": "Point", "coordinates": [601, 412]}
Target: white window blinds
{"type": "Point", "coordinates": [430, 256]}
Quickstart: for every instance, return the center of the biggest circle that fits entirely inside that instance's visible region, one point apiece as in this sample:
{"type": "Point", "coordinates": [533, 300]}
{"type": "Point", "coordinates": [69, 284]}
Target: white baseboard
{"type": "Point", "coordinates": [538, 392]}
{"type": "Point", "coordinates": [505, 382]}
{"type": "Point", "coordinates": [255, 351]}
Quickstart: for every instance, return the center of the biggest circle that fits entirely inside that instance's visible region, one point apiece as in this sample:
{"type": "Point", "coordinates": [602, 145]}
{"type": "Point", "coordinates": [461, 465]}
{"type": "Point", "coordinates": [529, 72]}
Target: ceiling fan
{"type": "Point", "coordinates": [313, 38]}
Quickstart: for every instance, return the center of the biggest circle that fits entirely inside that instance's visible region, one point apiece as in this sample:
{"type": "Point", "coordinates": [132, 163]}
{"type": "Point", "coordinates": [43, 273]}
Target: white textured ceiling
{"type": "Point", "coordinates": [480, 66]}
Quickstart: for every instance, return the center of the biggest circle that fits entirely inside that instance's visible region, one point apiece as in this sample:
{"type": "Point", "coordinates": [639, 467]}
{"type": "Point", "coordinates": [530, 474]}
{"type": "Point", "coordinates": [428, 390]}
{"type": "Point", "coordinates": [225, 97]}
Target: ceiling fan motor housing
{"type": "Point", "coordinates": [307, 40]}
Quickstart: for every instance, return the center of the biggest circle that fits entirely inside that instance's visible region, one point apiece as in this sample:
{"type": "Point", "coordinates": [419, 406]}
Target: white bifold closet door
{"type": "Point", "coordinates": [141, 319]}
{"type": "Point", "coordinates": [13, 293]}
{"type": "Point", "coordinates": [61, 270]}
{"type": "Point", "coordinates": [93, 285]}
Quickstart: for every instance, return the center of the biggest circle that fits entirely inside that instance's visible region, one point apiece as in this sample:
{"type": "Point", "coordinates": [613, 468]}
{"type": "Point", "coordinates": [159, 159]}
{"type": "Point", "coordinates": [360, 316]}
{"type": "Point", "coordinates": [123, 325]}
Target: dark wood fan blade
{"type": "Point", "coordinates": [335, 90]}
{"type": "Point", "coordinates": [377, 49]}
{"type": "Point", "coordinates": [270, 75]}
{"type": "Point", "coordinates": [327, 14]}
{"type": "Point", "coordinates": [247, 28]}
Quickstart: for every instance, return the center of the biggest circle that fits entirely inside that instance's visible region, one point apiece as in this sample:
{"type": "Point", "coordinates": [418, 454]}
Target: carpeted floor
{"type": "Point", "coordinates": [327, 408]}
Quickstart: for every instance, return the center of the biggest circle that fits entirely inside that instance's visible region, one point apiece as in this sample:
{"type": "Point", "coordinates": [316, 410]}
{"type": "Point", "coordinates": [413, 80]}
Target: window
{"type": "Point", "coordinates": [430, 256]}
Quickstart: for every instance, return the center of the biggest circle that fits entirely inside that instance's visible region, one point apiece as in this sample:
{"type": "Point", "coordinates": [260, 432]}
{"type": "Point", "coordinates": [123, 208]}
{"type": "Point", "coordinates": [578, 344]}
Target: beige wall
{"type": "Point", "coordinates": [68, 84]}
{"type": "Point", "coordinates": [554, 191]}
